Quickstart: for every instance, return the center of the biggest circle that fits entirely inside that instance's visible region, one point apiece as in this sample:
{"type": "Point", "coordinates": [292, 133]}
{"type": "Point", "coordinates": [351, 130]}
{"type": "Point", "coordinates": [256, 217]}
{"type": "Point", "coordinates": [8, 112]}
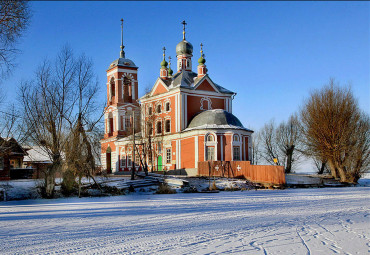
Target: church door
{"type": "Point", "coordinates": [160, 167]}
{"type": "Point", "coordinates": [109, 162]}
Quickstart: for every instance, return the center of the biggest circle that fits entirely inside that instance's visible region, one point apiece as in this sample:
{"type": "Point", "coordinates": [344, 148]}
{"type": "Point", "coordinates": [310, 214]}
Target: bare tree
{"type": "Point", "coordinates": [288, 139]}
{"type": "Point", "coordinates": [256, 149]}
{"type": "Point", "coordinates": [14, 19]}
{"type": "Point", "coordinates": [336, 130]}
{"type": "Point", "coordinates": [82, 120]}
{"type": "Point", "coordinates": [280, 143]}
{"type": "Point", "coordinates": [47, 102]}
{"type": "Point", "coordinates": [270, 149]}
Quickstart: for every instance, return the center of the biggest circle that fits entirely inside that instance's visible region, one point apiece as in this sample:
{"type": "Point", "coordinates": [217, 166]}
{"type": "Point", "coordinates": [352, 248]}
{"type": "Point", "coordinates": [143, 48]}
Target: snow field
{"type": "Point", "coordinates": [293, 221]}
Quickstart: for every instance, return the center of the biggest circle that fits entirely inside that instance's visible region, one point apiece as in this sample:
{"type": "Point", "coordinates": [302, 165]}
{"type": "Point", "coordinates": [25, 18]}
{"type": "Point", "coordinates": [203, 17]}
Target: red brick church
{"type": "Point", "coordinates": [185, 118]}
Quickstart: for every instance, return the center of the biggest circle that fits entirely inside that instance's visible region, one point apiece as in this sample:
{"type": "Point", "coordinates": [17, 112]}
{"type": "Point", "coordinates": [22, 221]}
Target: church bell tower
{"type": "Point", "coordinates": [122, 94]}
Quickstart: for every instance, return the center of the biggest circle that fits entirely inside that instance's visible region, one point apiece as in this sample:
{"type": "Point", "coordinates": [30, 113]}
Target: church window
{"type": "Point", "coordinates": [150, 129]}
{"type": "Point", "coordinates": [236, 138]}
{"type": "Point", "coordinates": [168, 156]}
{"type": "Point", "coordinates": [167, 125]}
{"type": "Point", "coordinates": [113, 88]}
{"type": "Point", "coordinates": [167, 106]}
{"type": "Point", "coordinates": [159, 108]}
{"type": "Point", "coordinates": [137, 159]}
{"type": "Point", "coordinates": [210, 153]}
{"type": "Point", "coordinates": [159, 128]}
{"type": "Point", "coordinates": [129, 160]}
{"type": "Point", "coordinates": [110, 126]}
{"type": "Point", "coordinates": [121, 120]}
{"type": "Point", "coordinates": [236, 153]}
{"type": "Point", "coordinates": [150, 110]}
{"type": "Point", "coordinates": [127, 122]}
{"type": "Point", "coordinates": [123, 161]}
{"type": "Point", "coordinates": [210, 138]}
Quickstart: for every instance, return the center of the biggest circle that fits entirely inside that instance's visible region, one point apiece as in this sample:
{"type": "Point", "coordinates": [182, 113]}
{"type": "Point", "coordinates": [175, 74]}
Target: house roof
{"type": "Point", "coordinates": [37, 154]}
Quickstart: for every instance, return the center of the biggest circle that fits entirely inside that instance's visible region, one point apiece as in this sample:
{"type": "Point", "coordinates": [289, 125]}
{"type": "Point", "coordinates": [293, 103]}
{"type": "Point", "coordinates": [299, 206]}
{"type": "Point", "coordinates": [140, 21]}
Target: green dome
{"type": "Point", "coordinates": [201, 60]}
{"type": "Point", "coordinates": [170, 71]}
{"type": "Point", "coordinates": [164, 63]}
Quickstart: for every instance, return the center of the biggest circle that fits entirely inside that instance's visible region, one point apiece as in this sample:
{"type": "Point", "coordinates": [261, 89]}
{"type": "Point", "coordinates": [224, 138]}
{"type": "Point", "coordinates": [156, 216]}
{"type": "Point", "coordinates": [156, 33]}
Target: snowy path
{"type": "Point", "coordinates": [302, 221]}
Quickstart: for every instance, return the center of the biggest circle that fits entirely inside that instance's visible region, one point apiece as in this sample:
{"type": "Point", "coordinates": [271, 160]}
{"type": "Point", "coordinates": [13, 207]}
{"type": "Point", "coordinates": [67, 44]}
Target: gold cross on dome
{"type": "Point", "coordinates": [183, 32]}
{"type": "Point", "coordinates": [164, 52]}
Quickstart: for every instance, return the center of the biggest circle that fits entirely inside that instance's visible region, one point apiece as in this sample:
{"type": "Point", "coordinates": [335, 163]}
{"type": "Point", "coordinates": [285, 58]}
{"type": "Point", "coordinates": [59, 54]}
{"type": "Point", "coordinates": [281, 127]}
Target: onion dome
{"type": "Point", "coordinates": [164, 62]}
{"type": "Point", "coordinates": [184, 47]}
{"type": "Point", "coordinates": [201, 60]}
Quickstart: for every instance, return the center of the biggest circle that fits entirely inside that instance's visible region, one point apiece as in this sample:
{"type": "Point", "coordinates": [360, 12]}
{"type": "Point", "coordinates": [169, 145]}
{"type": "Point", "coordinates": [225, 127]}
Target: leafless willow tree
{"type": "Point", "coordinates": [45, 103]}
{"type": "Point", "coordinates": [59, 112]}
{"type": "Point", "coordinates": [83, 120]}
{"type": "Point", "coordinates": [14, 19]}
{"type": "Point", "coordinates": [336, 130]}
{"type": "Point", "coordinates": [281, 142]}
{"type": "Point", "coordinates": [270, 149]}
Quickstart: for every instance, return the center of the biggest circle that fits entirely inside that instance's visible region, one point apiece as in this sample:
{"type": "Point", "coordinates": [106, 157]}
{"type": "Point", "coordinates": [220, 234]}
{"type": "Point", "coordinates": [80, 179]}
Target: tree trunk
{"type": "Point", "coordinates": [322, 168]}
{"type": "Point", "coordinates": [333, 169]}
{"type": "Point", "coordinates": [49, 183]}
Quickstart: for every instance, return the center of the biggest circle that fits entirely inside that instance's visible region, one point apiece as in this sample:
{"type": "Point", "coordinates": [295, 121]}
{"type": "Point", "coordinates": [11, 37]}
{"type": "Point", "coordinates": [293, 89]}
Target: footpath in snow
{"type": "Point", "coordinates": [292, 221]}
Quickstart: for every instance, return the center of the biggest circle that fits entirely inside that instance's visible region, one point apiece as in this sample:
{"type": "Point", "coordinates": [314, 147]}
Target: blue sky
{"type": "Point", "coordinates": [273, 54]}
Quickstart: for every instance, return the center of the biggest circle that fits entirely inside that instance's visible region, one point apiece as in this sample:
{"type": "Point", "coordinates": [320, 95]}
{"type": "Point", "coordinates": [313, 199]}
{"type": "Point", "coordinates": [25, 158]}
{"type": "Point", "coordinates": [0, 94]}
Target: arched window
{"type": "Point", "coordinates": [113, 87]}
{"type": "Point", "coordinates": [150, 110]}
{"type": "Point", "coordinates": [150, 129]}
{"type": "Point", "coordinates": [167, 106]}
{"type": "Point", "coordinates": [127, 86]}
{"type": "Point", "coordinates": [210, 138]}
{"type": "Point", "coordinates": [236, 138]}
{"type": "Point", "coordinates": [159, 108]}
{"type": "Point", "coordinates": [159, 128]}
{"type": "Point", "coordinates": [167, 126]}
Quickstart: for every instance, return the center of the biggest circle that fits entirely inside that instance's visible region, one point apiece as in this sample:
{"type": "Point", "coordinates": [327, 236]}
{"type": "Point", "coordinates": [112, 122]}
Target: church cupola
{"type": "Point", "coordinates": [170, 71]}
{"type": "Point", "coordinates": [202, 69]}
{"type": "Point", "coordinates": [164, 70]}
{"type": "Point", "coordinates": [184, 52]}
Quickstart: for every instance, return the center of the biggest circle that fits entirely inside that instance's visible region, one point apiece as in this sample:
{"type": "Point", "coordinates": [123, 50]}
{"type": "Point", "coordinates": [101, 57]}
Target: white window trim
{"type": "Point", "coordinates": [165, 103]}
{"type": "Point", "coordinates": [156, 123]}
{"type": "Point", "coordinates": [210, 143]}
{"type": "Point", "coordinates": [165, 119]}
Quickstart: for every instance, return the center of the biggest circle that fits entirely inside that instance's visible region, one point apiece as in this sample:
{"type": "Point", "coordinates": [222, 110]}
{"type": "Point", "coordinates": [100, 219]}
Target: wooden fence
{"type": "Point", "coordinates": [243, 169]}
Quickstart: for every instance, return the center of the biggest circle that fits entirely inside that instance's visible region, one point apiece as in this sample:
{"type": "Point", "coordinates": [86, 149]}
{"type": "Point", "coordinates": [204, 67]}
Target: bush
{"type": "Point", "coordinates": [163, 188]}
{"type": "Point", "coordinates": [69, 185]}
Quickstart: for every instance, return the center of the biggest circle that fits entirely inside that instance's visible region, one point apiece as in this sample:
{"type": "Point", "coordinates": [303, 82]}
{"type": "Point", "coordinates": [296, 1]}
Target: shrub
{"type": "Point", "coordinates": [163, 188]}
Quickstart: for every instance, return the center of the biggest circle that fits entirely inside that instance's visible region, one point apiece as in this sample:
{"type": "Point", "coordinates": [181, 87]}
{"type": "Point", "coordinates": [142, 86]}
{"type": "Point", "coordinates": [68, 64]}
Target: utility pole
{"type": "Point", "coordinates": [133, 151]}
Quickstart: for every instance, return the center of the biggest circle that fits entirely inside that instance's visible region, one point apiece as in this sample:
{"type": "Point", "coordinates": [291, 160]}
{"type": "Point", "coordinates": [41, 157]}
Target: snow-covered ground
{"type": "Point", "coordinates": [291, 221]}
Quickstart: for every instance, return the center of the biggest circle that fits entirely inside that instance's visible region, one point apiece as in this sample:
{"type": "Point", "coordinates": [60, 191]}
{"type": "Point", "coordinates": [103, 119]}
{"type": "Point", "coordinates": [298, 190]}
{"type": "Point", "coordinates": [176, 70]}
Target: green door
{"type": "Point", "coordinates": [160, 167]}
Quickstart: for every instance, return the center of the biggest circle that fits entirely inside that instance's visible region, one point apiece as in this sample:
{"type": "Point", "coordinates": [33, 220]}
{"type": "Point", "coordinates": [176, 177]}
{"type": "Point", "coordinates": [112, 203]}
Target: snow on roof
{"type": "Point", "coordinates": [37, 154]}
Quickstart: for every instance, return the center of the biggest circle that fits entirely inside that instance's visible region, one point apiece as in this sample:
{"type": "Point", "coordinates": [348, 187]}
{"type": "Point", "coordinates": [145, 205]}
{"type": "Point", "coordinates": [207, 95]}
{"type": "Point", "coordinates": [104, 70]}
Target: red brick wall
{"type": "Point", "coordinates": [187, 153]}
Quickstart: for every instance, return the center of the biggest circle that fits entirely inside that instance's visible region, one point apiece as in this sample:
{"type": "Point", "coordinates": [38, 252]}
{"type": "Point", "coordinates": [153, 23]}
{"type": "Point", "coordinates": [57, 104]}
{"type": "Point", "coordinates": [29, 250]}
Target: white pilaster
{"type": "Point", "coordinates": [196, 156]}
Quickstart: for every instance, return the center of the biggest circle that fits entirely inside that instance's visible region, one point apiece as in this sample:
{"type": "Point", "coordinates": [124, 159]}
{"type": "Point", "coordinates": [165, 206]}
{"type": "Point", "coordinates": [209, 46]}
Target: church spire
{"type": "Point", "coordinates": [183, 31]}
{"type": "Point", "coordinates": [202, 69]}
{"type": "Point", "coordinates": [164, 71]}
{"type": "Point", "coordinates": [122, 53]}
{"type": "Point", "coordinates": [170, 72]}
